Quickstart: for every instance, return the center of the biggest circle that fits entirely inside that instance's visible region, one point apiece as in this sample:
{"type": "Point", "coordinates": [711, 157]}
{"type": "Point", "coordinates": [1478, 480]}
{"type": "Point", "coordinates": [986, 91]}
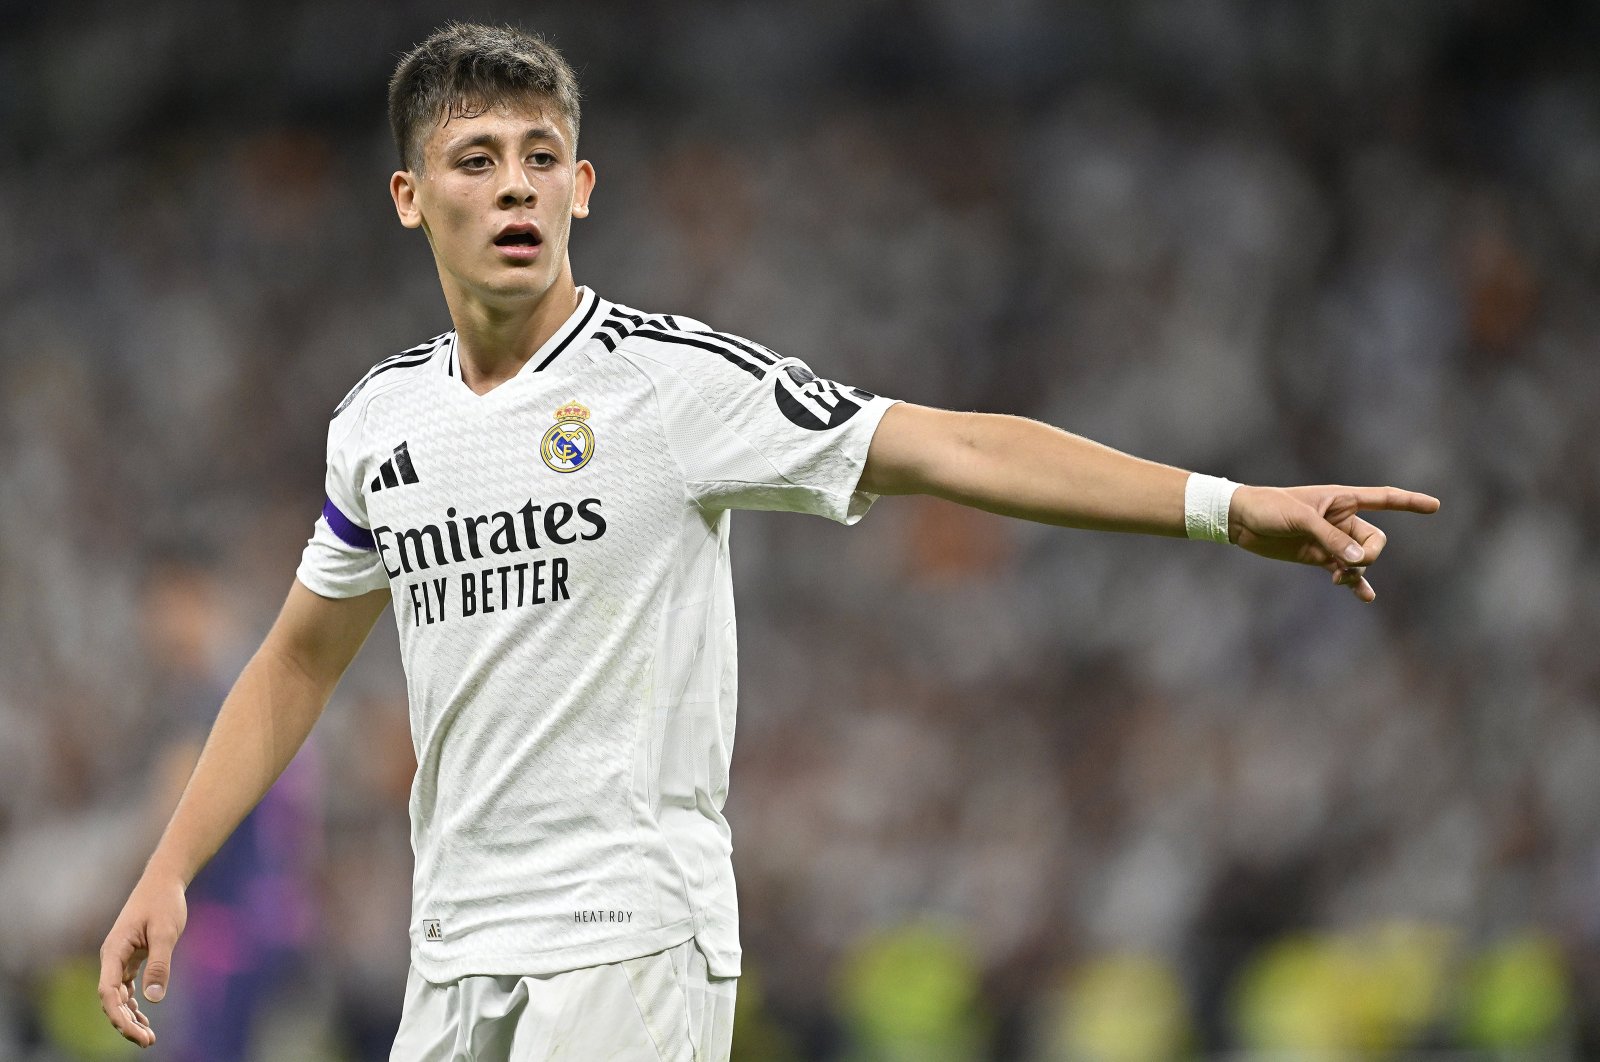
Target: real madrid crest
{"type": "Point", "coordinates": [569, 444]}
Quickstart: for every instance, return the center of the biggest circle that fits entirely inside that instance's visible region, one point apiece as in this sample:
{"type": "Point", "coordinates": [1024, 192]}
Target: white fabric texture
{"type": "Point", "coordinates": [664, 1007]}
{"type": "Point", "coordinates": [566, 620]}
{"type": "Point", "coordinates": [1206, 501]}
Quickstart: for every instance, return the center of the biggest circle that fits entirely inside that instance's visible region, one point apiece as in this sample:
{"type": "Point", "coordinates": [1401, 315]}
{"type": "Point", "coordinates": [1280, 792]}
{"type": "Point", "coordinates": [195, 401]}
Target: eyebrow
{"type": "Point", "coordinates": [538, 132]}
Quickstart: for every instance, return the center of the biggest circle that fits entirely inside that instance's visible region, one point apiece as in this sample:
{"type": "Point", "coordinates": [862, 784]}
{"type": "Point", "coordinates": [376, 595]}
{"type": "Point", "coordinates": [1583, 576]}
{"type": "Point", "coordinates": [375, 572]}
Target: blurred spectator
{"type": "Point", "coordinates": [251, 910]}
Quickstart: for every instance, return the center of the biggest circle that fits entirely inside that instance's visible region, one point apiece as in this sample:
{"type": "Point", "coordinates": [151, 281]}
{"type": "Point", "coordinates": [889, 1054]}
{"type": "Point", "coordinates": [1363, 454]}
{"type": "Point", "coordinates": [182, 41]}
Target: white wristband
{"type": "Point", "coordinates": [1205, 507]}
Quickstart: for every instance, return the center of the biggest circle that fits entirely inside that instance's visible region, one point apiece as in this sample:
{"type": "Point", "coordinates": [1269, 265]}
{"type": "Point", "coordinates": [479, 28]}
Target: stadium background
{"type": "Point", "coordinates": [1001, 791]}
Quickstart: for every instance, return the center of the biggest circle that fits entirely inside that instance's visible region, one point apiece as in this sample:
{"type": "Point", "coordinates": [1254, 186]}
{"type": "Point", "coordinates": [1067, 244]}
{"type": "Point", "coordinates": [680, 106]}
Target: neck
{"type": "Point", "coordinates": [495, 340]}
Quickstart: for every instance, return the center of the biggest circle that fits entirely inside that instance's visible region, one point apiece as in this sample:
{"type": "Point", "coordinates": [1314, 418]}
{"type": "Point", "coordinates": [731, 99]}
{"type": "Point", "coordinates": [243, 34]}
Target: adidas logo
{"type": "Point", "coordinates": [395, 471]}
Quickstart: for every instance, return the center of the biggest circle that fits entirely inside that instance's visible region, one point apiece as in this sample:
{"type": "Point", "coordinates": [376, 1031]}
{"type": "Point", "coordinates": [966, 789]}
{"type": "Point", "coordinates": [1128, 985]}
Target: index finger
{"type": "Point", "coordinates": [1393, 499]}
{"type": "Point", "coordinates": [116, 997]}
{"type": "Point", "coordinates": [113, 975]}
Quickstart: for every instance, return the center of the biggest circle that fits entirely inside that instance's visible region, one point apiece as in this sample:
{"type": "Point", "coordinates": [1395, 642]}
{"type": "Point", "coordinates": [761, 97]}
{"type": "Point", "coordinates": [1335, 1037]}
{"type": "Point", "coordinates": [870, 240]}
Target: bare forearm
{"type": "Point", "coordinates": [262, 724]}
{"type": "Point", "coordinates": [1022, 468]}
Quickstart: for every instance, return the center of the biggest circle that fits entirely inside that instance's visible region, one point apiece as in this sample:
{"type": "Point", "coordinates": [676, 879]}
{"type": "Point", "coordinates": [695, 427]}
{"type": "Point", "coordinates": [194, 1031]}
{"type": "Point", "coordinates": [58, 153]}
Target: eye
{"type": "Point", "coordinates": [543, 158]}
{"type": "Point", "coordinates": [474, 162]}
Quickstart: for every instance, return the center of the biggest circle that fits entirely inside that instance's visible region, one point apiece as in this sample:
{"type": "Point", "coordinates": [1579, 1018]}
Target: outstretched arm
{"type": "Point", "coordinates": [1022, 468]}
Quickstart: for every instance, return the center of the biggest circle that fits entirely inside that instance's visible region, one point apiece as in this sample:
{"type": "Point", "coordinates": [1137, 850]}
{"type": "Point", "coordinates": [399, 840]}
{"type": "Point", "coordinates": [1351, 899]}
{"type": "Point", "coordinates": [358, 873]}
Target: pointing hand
{"type": "Point", "coordinates": [1319, 525]}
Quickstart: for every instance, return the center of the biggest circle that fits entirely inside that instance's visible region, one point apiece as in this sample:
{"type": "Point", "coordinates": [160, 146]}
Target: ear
{"type": "Point", "coordinates": [403, 190]}
{"type": "Point", "coordinates": [582, 186]}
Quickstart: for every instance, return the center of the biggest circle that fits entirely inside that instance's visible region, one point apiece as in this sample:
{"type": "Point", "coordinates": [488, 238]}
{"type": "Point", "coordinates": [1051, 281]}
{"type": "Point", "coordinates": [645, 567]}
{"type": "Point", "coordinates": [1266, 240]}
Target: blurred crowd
{"type": "Point", "coordinates": [1001, 791]}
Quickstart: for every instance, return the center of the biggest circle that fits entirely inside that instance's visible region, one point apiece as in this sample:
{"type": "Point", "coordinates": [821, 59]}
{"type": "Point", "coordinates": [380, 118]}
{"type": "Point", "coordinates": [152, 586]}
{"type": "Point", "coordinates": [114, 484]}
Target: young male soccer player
{"type": "Point", "coordinates": [544, 493]}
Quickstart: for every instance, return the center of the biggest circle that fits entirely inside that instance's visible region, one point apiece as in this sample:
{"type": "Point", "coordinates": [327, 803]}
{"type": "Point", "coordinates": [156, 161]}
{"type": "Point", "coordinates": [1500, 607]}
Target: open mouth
{"type": "Point", "coordinates": [518, 239]}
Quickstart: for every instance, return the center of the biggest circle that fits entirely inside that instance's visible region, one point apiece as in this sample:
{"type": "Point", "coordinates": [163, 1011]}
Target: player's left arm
{"type": "Point", "coordinates": [1019, 467]}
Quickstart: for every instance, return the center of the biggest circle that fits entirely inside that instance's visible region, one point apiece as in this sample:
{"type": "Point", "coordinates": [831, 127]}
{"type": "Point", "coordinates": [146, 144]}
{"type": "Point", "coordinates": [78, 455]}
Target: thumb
{"type": "Point", "coordinates": [158, 967]}
{"type": "Point", "coordinates": [1340, 546]}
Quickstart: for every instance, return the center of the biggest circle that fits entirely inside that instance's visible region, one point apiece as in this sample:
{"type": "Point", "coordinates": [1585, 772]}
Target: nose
{"type": "Point", "coordinates": [517, 190]}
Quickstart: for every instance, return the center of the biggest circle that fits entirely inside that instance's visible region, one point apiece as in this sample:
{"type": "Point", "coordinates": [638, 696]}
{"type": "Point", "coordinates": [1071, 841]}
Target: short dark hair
{"type": "Point", "coordinates": [465, 69]}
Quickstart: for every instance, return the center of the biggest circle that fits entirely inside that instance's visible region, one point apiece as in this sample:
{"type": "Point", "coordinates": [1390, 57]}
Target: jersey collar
{"type": "Point", "coordinates": [577, 327]}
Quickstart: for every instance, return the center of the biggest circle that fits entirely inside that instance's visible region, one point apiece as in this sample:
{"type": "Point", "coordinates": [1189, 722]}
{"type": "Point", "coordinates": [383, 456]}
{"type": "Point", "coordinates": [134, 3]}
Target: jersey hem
{"type": "Point", "coordinates": [313, 580]}
{"type": "Point", "coordinates": [858, 501]}
{"type": "Point", "coordinates": [553, 961]}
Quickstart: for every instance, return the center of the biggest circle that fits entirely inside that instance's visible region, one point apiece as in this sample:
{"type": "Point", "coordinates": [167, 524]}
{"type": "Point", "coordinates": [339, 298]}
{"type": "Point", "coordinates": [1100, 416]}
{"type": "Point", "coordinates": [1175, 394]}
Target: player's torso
{"type": "Point", "coordinates": [529, 528]}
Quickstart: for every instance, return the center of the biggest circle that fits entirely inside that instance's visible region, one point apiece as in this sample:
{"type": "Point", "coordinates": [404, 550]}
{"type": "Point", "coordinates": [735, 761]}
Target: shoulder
{"type": "Point", "coordinates": [683, 343]}
{"type": "Point", "coordinates": [395, 370]}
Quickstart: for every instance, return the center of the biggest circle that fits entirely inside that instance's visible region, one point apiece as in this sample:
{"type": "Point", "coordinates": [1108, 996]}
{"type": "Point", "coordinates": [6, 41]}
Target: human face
{"type": "Point", "coordinates": [496, 195]}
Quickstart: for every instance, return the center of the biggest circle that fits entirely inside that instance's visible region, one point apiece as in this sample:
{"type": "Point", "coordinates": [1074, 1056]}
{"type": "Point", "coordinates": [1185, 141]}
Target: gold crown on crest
{"type": "Point", "coordinates": [573, 410]}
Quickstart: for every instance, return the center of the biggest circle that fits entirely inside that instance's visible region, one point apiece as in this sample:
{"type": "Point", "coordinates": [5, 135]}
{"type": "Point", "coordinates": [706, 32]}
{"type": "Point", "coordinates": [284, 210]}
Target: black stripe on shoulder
{"type": "Point", "coordinates": [430, 347]}
{"type": "Point", "coordinates": [417, 355]}
{"type": "Point", "coordinates": [621, 324]}
{"type": "Point", "coordinates": [594, 303]}
{"type": "Point", "coordinates": [755, 350]}
{"type": "Point", "coordinates": [685, 339]}
{"type": "Point", "coordinates": [419, 359]}
{"type": "Point", "coordinates": [409, 354]}
{"type": "Point", "coordinates": [666, 324]}
{"type": "Point", "coordinates": [640, 319]}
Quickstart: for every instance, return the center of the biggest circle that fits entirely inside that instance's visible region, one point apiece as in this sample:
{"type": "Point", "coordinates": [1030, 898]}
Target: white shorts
{"type": "Point", "coordinates": [664, 1007]}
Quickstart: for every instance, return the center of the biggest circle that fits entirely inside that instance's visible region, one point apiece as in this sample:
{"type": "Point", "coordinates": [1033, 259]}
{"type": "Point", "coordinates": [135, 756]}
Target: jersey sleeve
{"type": "Point", "coordinates": [341, 559]}
{"type": "Point", "coordinates": [753, 430]}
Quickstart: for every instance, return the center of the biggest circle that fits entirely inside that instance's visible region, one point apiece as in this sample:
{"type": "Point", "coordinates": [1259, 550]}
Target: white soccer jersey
{"type": "Point", "coordinates": [557, 550]}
